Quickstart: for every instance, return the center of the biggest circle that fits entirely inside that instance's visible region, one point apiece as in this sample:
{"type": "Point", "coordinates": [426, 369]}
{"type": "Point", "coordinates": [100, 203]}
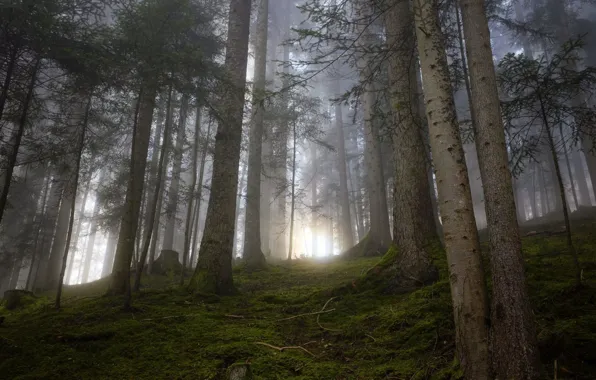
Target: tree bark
{"type": "Point", "coordinates": [347, 232]}
{"type": "Point", "coordinates": [173, 193]}
{"type": "Point", "coordinates": [513, 338]}
{"type": "Point", "coordinates": [193, 182]}
{"type": "Point", "coordinates": [75, 185]}
{"type": "Point", "coordinates": [153, 210]}
{"type": "Point", "coordinates": [214, 269]}
{"type": "Point", "coordinates": [468, 289]}
{"type": "Point", "coordinates": [16, 140]}
{"type": "Point", "coordinates": [253, 255]}
{"type": "Point", "coordinates": [77, 234]}
{"type": "Point", "coordinates": [120, 277]}
{"type": "Point", "coordinates": [414, 229]}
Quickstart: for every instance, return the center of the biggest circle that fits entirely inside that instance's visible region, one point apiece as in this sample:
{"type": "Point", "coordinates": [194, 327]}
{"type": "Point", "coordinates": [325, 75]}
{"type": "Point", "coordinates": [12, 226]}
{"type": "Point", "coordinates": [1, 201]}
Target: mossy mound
{"type": "Point", "coordinates": [301, 320]}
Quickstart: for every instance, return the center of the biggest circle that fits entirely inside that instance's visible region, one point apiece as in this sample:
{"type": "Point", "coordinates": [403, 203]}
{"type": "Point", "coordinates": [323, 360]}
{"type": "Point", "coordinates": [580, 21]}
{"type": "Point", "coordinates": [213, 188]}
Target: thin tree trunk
{"type": "Point", "coordinates": [92, 232]}
{"type": "Point", "coordinates": [313, 199]}
{"type": "Point", "coordinates": [174, 192]}
{"type": "Point", "coordinates": [293, 193]}
{"type": "Point", "coordinates": [153, 210]}
{"type": "Point", "coordinates": [553, 151]}
{"type": "Point", "coordinates": [241, 182]}
{"type": "Point", "coordinates": [200, 192]}
{"type": "Point", "coordinates": [580, 176]}
{"type": "Point", "coordinates": [214, 270]}
{"type": "Point", "coordinates": [514, 349]}
{"type": "Point", "coordinates": [253, 255]}
{"type": "Point", "coordinates": [18, 135]}
{"type": "Point", "coordinates": [347, 232]}
{"type": "Point", "coordinates": [40, 227]}
{"type": "Point", "coordinates": [120, 277]}
{"type": "Point", "coordinates": [108, 261]}
{"type": "Point", "coordinates": [188, 224]}
{"type": "Point", "coordinates": [574, 189]}
{"type": "Point", "coordinates": [77, 234]}
{"type": "Point", "coordinates": [8, 78]}
{"type": "Point", "coordinates": [75, 184]}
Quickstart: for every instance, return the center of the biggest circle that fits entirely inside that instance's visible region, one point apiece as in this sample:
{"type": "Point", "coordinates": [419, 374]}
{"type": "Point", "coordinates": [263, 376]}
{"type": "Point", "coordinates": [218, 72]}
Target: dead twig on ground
{"type": "Point", "coordinates": [306, 314]}
{"type": "Point", "coordinates": [319, 315]}
{"type": "Point", "coordinates": [281, 349]}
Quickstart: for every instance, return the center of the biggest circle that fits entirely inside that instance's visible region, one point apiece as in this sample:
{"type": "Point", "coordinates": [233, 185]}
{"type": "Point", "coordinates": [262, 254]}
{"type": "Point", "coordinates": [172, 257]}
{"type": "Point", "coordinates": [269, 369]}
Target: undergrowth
{"type": "Point", "coordinates": [357, 333]}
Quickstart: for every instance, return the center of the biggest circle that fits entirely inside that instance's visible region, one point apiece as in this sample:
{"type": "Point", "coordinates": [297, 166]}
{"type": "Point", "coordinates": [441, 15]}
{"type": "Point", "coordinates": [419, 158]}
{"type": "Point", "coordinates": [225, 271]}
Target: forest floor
{"type": "Point", "coordinates": [271, 326]}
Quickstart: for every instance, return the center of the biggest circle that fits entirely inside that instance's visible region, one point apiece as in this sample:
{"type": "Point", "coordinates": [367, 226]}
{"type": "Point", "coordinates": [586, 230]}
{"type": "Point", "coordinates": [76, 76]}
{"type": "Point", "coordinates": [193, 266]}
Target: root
{"type": "Point", "coordinates": [281, 349]}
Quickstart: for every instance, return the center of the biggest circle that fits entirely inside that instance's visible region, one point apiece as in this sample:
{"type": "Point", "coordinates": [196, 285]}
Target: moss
{"type": "Point", "coordinates": [367, 334]}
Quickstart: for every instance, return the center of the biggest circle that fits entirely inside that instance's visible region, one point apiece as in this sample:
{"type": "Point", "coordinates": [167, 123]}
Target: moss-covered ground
{"type": "Point", "coordinates": [360, 334]}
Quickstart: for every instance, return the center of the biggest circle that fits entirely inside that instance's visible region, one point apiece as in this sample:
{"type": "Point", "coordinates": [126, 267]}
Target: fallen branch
{"type": "Point", "coordinates": [319, 315]}
{"type": "Point", "coordinates": [171, 316]}
{"type": "Point", "coordinates": [281, 349]}
{"type": "Point", "coordinates": [306, 314]}
{"type": "Point", "coordinates": [234, 316]}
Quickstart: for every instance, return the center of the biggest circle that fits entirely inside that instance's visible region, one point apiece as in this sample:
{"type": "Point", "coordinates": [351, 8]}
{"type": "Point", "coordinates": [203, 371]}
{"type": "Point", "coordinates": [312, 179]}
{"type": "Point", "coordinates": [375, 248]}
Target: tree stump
{"type": "Point", "coordinates": [167, 262]}
{"type": "Point", "coordinates": [16, 298]}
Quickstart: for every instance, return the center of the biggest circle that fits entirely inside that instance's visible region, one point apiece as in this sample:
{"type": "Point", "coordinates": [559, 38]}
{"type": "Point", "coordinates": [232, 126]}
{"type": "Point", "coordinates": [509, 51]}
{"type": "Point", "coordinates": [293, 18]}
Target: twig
{"type": "Point", "coordinates": [234, 316]}
{"type": "Point", "coordinates": [371, 337]}
{"type": "Point", "coordinates": [306, 314]}
{"type": "Point", "coordinates": [281, 349]}
{"type": "Point", "coordinates": [319, 315]}
{"type": "Point", "coordinates": [171, 316]}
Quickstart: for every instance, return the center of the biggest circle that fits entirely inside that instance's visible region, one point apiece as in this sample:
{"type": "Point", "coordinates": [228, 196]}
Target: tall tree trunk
{"type": "Point", "coordinates": [200, 193]}
{"type": "Point", "coordinates": [241, 182]}
{"type": "Point", "coordinates": [108, 261]}
{"type": "Point", "coordinates": [10, 68]}
{"type": "Point", "coordinates": [154, 209]}
{"type": "Point", "coordinates": [292, 192]}
{"type": "Point", "coordinates": [193, 182]}
{"type": "Point", "coordinates": [174, 192]}
{"type": "Point", "coordinates": [574, 190]}
{"type": "Point", "coordinates": [75, 185]}
{"type": "Point", "coordinates": [468, 289]}
{"type": "Point", "coordinates": [77, 234]}
{"type": "Point", "coordinates": [42, 215]}
{"type": "Point", "coordinates": [51, 213]}
{"type": "Point", "coordinates": [281, 167]}
{"type": "Point", "coordinates": [580, 177]}
{"type": "Point", "coordinates": [120, 277]}
{"type": "Point", "coordinates": [561, 186]}
{"type": "Point", "coordinates": [414, 230]}
{"type": "Point", "coordinates": [513, 338]}
{"type": "Point", "coordinates": [253, 255]}
{"type": "Point", "coordinates": [214, 270]}
{"type": "Point", "coordinates": [16, 140]}
{"type": "Point", "coordinates": [313, 199]}
{"type": "Point", "coordinates": [92, 231]}
{"type": "Point", "coordinates": [347, 232]}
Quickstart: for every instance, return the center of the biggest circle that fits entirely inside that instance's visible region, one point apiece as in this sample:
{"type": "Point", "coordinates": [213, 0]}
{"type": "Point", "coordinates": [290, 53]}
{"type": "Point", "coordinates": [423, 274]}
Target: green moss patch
{"type": "Point", "coordinates": [306, 319]}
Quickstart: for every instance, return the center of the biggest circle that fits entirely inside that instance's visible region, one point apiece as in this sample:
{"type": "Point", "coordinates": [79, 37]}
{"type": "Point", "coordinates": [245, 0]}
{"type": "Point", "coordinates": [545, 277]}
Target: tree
{"type": "Point", "coordinates": [513, 338]}
{"type": "Point", "coordinates": [253, 254]}
{"type": "Point", "coordinates": [214, 269]}
{"type": "Point", "coordinates": [414, 230]}
{"type": "Point", "coordinates": [545, 90]}
{"type": "Point", "coordinates": [466, 275]}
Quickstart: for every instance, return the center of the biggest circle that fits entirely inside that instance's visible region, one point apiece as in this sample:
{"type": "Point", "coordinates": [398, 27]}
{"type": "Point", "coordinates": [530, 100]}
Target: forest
{"type": "Point", "coordinates": [298, 189]}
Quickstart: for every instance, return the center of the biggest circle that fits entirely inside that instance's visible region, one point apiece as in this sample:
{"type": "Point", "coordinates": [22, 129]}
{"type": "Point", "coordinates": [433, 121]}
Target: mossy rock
{"type": "Point", "coordinates": [18, 298]}
{"type": "Point", "coordinates": [240, 371]}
